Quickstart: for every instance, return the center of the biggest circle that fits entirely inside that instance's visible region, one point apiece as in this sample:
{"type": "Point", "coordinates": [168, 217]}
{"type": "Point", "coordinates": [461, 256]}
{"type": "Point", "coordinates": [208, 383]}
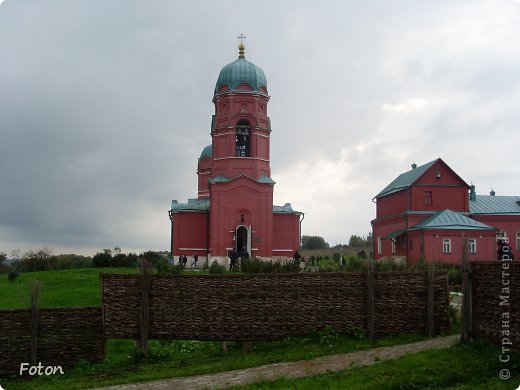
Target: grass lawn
{"type": "Point", "coordinates": [68, 287]}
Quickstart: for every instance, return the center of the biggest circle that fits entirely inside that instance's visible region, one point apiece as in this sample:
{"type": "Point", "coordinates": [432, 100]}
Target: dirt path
{"type": "Point", "coordinates": [293, 370]}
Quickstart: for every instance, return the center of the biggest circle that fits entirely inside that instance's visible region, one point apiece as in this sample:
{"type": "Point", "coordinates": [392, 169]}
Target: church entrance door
{"type": "Point", "coordinates": [243, 238]}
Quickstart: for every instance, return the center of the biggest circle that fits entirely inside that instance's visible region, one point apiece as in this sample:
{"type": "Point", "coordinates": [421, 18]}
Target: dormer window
{"type": "Point", "coordinates": [242, 139]}
{"type": "Point", "coordinates": [438, 174]}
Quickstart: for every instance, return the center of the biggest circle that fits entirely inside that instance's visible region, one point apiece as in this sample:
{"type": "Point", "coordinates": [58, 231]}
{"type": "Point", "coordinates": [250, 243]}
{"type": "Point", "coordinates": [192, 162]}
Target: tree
{"type": "Point", "coordinates": [356, 241]}
{"type": "Point", "coordinates": [313, 242]}
{"type": "Point", "coordinates": [102, 259]}
{"type": "Point", "coordinates": [36, 260]}
{"type": "Point", "coordinates": [370, 239]}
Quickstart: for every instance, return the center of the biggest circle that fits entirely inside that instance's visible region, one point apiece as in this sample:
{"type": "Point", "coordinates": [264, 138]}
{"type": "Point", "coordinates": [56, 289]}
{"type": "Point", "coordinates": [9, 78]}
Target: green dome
{"type": "Point", "coordinates": [206, 152]}
{"type": "Point", "coordinates": [241, 71]}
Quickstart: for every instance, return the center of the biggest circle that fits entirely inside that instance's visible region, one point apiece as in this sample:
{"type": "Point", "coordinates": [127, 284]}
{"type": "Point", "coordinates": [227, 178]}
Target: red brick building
{"type": "Point", "coordinates": [234, 207]}
{"type": "Point", "coordinates": [430, 212]}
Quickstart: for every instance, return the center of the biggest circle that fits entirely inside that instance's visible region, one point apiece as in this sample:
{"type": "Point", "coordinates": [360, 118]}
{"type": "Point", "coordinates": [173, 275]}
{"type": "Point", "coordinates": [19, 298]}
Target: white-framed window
{"type": "Point", "coordinates": [502, 236]}
{"type": "Point", "coordinates": [394, 249]}
{"type": "Point", "coordinates": [379, 245]}
{"type": "Point", "coordinates": [446, 245]}
{"type": "Point", "coordinates": [518, 241]}
{"type": "Point", "coordinates": [472, 245]}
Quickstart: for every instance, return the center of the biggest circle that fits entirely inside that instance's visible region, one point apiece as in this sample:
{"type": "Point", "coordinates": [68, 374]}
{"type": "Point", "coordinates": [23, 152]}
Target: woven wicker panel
{"type": "Point", "coordinates": [400, 302]}
{"type": "Point", "coordinates": [65, 336]}
{"type": "Point", "coordinates": [487, 282]}
{"type": "Point", "coordinates": [266, 306]}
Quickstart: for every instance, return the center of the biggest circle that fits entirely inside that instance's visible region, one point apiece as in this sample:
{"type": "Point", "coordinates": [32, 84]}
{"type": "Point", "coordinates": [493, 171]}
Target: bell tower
{"type": "Point", "coordinates": [240, 128]}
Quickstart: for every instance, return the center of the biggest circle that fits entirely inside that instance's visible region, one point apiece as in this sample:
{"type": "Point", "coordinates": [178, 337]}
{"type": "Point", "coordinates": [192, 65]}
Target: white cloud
{"type": "Point", "coordinates": [406, 105]}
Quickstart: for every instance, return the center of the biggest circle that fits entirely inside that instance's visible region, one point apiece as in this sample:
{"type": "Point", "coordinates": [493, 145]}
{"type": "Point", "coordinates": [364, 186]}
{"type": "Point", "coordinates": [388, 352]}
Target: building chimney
{"type": "Point", "coordinates": [414, 165]}
{"type": "Point", "coordinates": [492, 192]}
{"type": "Point", "coordinates": [472, 193]}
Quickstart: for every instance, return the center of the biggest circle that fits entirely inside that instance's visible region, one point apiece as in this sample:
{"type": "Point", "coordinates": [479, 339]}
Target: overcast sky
{"type": "Point", "coordinates": [106, 105]}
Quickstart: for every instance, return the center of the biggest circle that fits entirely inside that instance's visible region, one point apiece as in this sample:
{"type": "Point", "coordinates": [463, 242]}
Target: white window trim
{"type": "Point", "coordinates": [394, 247]}
{"type": "Point", "coordinates": [472, 244]}
{"type": "Point", "coordinates": [446, 245]}
{"type": "Point", "coordinates": [379, 251]}
{"type": "Point", "coordinates": [518, 241]}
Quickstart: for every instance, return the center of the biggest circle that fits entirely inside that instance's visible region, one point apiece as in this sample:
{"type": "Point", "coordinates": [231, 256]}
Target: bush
{"type": "Point", "coordinates": [217, 268]}
{"type": "Point", "coordinates": [163, 268]}
{"type": "Point", "coordinates": [357, 333]}
{"type": "Point", "coordinates": [67, 261]}
{"type": "Point", "coordinates": [4, 268]}
{"type": "Point", "coordinates": [325, 336]}
{"type": "Point", "coordinates": [107, 259]}
{"type": "Point", "coordinates": [153, 257]}
{"type": "Point", "coordinates": [102, 259]}
{"type": "Point", "coordinates": [258, 266]}
{"type": "Point", "coordinates": [356, 264]}
{"type": "Point", "coordinates": [36, 260]}
{"type": "Point", "coordinates": [455, 275]}
{"type": "Point", "coordinates": [12, 275]}
{"type": "Point", "coordinates": [421, 264]}
{"type": "Point", "coordinates": [336, 256]}
{"type": "Point", "coordinates": [388, 265]}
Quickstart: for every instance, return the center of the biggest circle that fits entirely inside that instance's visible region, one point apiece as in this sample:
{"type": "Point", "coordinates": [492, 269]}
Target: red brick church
{"type": "Point", "coordinates": [431, 212]}
{"type": "Point", "coordinates": [234, 206]}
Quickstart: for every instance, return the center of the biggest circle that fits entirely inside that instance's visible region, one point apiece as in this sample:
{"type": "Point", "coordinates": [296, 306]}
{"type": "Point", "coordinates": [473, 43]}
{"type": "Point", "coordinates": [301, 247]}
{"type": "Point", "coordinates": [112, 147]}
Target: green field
{"type": "Point", "coordinates": [69, 287]}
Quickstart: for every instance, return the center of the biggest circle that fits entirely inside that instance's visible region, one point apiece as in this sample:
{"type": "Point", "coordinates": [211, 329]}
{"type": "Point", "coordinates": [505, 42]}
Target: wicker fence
{"type": "Point", "coordinates": [65, 336]}
{"type": "Point", "coordinates": [225, 307]}
{"type": "Point", "coordinates": [271, 306]}
{"type": "Point", "coordinates": [495, 302]}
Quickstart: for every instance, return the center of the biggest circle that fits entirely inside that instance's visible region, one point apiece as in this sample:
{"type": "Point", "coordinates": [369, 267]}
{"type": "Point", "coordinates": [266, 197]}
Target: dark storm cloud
{"type": "Point", "coordinates": [106, 105]}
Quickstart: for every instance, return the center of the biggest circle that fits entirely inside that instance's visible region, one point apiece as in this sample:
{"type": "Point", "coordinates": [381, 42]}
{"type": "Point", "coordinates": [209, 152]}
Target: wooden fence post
{"type": "Point", "coordinates": [33, 311]}
{"type": "Point", "coordinates": [369, 273]}
{"type": "Point", "coordinates": [430, 299]}
{"type": "Point", "coordinates": [145, 281]}
{"type": "Point", "coordinates": [467, 321]}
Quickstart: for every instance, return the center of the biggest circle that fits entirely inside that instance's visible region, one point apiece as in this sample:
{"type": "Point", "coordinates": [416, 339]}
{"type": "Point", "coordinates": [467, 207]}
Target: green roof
{"type": "Point", "coordinates": [450, 220]}
{"type": "Point", "coordinates": [204, 205]}
{"type": "Point", "coordinates": [192, 205]}
{"type": "Point", "coordinates": [238, 72]}
{"type": "Point", "coordinates": [285, 209]}
{"type": "Point", "coordinates": [206, 152]}
{"type": "Point", "coordinates": [393, 234]}
{"type": "Point", "coordinates": [405, 180]}
{"type": "Point", "coordinates": [501, 205]}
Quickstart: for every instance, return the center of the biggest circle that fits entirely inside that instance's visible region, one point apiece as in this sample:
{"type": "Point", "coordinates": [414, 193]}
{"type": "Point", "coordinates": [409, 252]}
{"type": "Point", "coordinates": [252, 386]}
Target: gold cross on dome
{"type": "Point", "coordinates": [241, 37]}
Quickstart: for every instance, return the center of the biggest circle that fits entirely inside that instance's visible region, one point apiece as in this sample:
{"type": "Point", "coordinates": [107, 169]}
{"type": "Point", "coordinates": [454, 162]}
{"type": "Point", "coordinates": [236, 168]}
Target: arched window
{"type": "Point", "coordinates": [242, 139]}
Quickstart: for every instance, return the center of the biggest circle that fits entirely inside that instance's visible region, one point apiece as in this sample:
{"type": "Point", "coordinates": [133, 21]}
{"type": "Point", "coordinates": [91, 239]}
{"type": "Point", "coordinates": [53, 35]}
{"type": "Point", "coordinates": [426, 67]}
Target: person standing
{"type": "Point", "coordinates": [195, 258]}
{"type": "Point", "coordinates": [233, 256]}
